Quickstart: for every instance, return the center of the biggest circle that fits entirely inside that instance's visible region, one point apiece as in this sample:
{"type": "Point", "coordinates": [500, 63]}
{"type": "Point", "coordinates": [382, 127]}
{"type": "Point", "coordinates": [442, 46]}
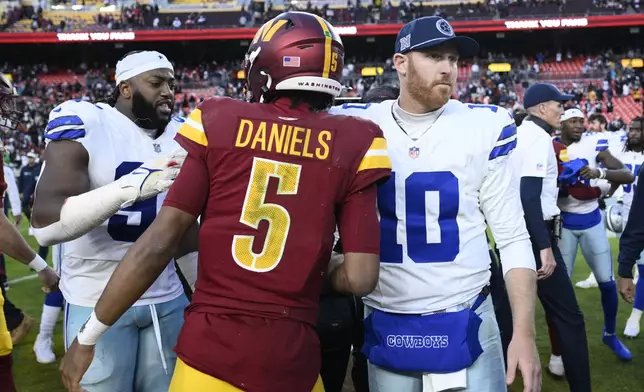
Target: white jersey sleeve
{"type": "Point", "coordinates": [500, 200]}
{"type": "Point", "coordinates": [72, 120]}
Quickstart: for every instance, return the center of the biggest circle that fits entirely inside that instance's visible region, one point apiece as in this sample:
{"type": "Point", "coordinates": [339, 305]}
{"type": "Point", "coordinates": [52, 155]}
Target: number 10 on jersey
{"type": "Point", "coordinates": [416, 187]}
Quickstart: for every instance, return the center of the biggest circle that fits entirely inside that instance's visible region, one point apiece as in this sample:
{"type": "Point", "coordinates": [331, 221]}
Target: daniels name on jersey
{"type": "Point", "coordinates": [116, 146]}
{"type": "Point", "coordinates": [433, 210]}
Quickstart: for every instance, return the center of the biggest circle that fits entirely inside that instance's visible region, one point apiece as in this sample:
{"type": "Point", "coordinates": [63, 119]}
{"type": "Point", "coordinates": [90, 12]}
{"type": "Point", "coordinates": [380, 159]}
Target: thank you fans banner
{"type": "Point", "coordinates": [472, 26]}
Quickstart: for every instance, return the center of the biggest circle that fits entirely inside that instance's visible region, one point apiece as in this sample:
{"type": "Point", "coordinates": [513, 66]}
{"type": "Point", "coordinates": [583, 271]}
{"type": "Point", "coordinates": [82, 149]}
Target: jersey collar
{"type": "Point", "coordinates": [541, 123]}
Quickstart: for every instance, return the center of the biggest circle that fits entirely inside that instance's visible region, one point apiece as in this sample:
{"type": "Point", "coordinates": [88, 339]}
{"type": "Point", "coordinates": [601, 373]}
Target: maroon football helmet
{"type": "Point", "coordinates": [9, 115]}
{"type": "Point", "coordinates": [294, 51]}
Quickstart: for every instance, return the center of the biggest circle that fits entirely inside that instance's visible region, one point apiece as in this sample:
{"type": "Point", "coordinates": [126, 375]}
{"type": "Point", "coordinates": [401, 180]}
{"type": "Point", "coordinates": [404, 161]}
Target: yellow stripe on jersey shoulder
{"type": "Point", "coordinates": [376, 156]}
{"type": "Point", "coordinates": [563, 155]}
{"type": "Point", "coordinates": [379, 143]}
{"type": "Point", "coordinates": [193, 128]}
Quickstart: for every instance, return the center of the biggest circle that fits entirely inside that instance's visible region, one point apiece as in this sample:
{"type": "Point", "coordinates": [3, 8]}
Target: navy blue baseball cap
{"type": "Point", "coordinates": [543, 92]}
{"type": "Point", "coordinates": [429, 31]}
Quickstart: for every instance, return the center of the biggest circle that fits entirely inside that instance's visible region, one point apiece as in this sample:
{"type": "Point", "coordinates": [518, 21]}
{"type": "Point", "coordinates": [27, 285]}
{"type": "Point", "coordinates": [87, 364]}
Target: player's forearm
{"type": "Point", "coordinates": [620, 176]}
{"type": "Point", "coordinates": [357, 275]}
{"type": "Point", "coordinates": [13, 243]}
{"type": "Point", "coordinates": [141, 266]}
{"type": "Point", "coordinates": [521, 284]}
{"type": "Point", "coordinates": [80, 214]}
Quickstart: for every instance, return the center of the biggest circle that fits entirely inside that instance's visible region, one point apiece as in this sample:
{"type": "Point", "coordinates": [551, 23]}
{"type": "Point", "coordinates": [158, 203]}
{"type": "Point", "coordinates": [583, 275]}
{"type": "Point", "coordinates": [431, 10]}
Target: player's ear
{"type": "Point", "coordinates": [400, 63]}
{"type": "Point", "coordinates": [126, 90]}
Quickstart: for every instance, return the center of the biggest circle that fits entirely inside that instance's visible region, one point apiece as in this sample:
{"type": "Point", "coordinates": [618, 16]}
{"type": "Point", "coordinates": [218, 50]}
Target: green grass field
{"type": "Point", "coordinates": [609, 374]}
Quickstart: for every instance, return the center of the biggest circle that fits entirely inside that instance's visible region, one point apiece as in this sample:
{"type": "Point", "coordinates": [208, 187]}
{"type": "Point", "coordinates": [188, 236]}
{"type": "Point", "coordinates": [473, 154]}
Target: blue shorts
{"type": "Point", "coordinates": [127, 357]}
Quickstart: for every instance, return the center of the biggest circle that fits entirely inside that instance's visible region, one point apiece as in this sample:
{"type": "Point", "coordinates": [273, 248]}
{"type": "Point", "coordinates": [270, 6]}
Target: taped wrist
{"type": "Point", "coordinates": [38, 264]}
{"type": "Point", "coordinates": [91, 331]}
{"type": "Point", "coordinates": [82, 213]}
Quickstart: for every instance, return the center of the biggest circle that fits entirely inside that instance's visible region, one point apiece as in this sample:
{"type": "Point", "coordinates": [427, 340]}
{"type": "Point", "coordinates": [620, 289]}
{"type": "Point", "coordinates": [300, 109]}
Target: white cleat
{"type": "Point", "coordinates": [43, 348]}
{"type": "Point", "coordinates": [556, 366]}
{"type": "Point", "coordinates": [588, 283]}
{"type": "Point", "coordinates": [632, 328]}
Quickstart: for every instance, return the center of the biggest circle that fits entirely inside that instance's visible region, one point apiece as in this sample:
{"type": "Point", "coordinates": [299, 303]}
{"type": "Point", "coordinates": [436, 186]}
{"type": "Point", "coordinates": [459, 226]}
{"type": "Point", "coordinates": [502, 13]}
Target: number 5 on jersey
{"type": "Point", "coordinates": [255, 209]}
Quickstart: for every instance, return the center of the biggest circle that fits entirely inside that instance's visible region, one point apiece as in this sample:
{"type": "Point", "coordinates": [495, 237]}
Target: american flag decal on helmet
{"type": "Point", "coordinates": [290, 61]}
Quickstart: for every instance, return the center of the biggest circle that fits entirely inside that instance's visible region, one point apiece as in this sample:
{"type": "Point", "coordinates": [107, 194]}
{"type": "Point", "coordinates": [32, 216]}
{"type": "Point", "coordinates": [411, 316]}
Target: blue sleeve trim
{"type": "Point", "coordinates": [507, 132]}
{"type": "Point", "coordinates": [602, 145]}
{"type": "Point", "coordinates": [66, 134]}
{"type": "Point", "coordinates": [65, 127]}
{"type": "Point", "coordinates": [508, 135]}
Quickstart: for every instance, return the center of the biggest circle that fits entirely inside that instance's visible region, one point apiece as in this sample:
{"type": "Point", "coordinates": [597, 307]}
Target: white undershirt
{"type": "Point", "coordinates": [415, 125]}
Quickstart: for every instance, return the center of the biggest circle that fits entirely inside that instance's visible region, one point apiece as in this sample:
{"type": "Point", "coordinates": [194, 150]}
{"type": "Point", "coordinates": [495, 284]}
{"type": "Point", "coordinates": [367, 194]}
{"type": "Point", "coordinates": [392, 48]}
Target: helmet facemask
{"type": "Point", "coordinates": [9, 114]}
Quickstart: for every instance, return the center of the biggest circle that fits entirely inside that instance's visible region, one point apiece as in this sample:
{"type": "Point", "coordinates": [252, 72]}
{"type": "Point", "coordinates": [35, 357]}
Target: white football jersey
{"type": "Point", "coordinates": [633, 161]}
{"type": "Point", "coordinates": [433, 209]}
{"type": "Point", "coordinates": [586, 148]}
{"type": "Point", "coordinates": [116, 146]}
{"type": "Point", "coordinates": [616, 141]}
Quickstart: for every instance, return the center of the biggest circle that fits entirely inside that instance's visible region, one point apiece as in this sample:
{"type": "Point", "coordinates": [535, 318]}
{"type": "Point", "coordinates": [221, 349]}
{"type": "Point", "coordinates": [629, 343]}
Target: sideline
{"type": "Point", "coordinates": [22, 279]}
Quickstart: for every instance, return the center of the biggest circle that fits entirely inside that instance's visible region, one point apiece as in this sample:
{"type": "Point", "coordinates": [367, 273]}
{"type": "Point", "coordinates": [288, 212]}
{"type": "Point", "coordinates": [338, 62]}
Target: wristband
{"type": "Point", "coordinates": [91, 331]}
{"type": "Point", "coordinates": [38, 264]}
{"type": "Point", "coordinates": [602, 173]}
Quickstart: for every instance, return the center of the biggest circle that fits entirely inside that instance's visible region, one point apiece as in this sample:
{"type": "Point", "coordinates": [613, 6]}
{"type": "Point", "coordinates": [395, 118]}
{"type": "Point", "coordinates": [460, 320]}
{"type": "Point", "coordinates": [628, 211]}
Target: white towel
{"type": "Point", "coordinates": [443, 382]}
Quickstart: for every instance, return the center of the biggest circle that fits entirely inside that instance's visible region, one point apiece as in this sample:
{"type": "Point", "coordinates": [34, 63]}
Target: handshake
{"type": "Point", "coordinates": [153, 177]}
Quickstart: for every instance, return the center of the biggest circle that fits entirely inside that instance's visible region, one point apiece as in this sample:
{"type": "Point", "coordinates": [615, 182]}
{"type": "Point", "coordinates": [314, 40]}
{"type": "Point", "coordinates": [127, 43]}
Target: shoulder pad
{"type": "Point", "coordinates": [602, 142]}
{"type": "Point", "coordinates": [364, 110]}
{"type": "Point", "coordinates": [175, 123]}
{"type": "Point", "coordinates": [218, 102]}
{"type": "Point", "coordinates": [489, 111]}
{"type": "Point", "coordinates": [71, 120]}
{"type": "Point", "coordinates": [502, 127]}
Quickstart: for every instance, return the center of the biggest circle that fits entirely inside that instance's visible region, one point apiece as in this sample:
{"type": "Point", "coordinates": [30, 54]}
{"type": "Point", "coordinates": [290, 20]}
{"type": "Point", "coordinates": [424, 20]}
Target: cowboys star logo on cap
{"type": "Point", "coordinates": [443, 26]}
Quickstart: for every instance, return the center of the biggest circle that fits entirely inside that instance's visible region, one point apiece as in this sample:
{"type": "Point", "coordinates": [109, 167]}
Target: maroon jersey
{"type": "Point", "coordinates": [270, 183]}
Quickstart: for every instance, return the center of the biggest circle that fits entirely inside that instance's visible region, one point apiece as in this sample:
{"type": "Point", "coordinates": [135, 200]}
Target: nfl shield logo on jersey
{"type": "Point", "coordinates": [414, 152]}
{"type": "Point", "coordinates": [157, 147]}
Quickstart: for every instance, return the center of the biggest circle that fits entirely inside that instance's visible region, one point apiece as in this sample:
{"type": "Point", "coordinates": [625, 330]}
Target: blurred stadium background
{"type": "Point", "coordinates": [59, 50]}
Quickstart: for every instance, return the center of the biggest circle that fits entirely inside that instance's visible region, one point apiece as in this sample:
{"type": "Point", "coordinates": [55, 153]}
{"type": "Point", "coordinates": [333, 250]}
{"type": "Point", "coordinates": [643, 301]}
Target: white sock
{"type": "Point", "coordinates": [48, 320]}
{"type": "Point", "coordinates": [636, 315]}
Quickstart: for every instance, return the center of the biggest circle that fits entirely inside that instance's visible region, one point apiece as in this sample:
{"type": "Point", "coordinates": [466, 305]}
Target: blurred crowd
{"type": "Point", "coordinates": [145, 14]}
{"type": "Point", "coordinates": [600, 79]}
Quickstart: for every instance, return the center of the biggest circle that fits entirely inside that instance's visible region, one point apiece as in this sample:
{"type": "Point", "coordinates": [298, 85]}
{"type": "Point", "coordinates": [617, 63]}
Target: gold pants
{"type": "Point", "coordinates": [187, 379]}
{"type": "Point", "coordinates": [5, 336]}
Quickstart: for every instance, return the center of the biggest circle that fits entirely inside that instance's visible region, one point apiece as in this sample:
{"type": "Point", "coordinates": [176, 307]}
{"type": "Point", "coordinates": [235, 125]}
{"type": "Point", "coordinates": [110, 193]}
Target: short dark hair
{"type": "Point", "coordinates": [316, 101]}
{"type": "Point", "coordinates": [381, 93]}
{"type": "Point", "coordinates": [628, 146]}
{"type": "Point", "coordinates": [519, 116]}
{"type": "Point", "coordinates": [599, 117]}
